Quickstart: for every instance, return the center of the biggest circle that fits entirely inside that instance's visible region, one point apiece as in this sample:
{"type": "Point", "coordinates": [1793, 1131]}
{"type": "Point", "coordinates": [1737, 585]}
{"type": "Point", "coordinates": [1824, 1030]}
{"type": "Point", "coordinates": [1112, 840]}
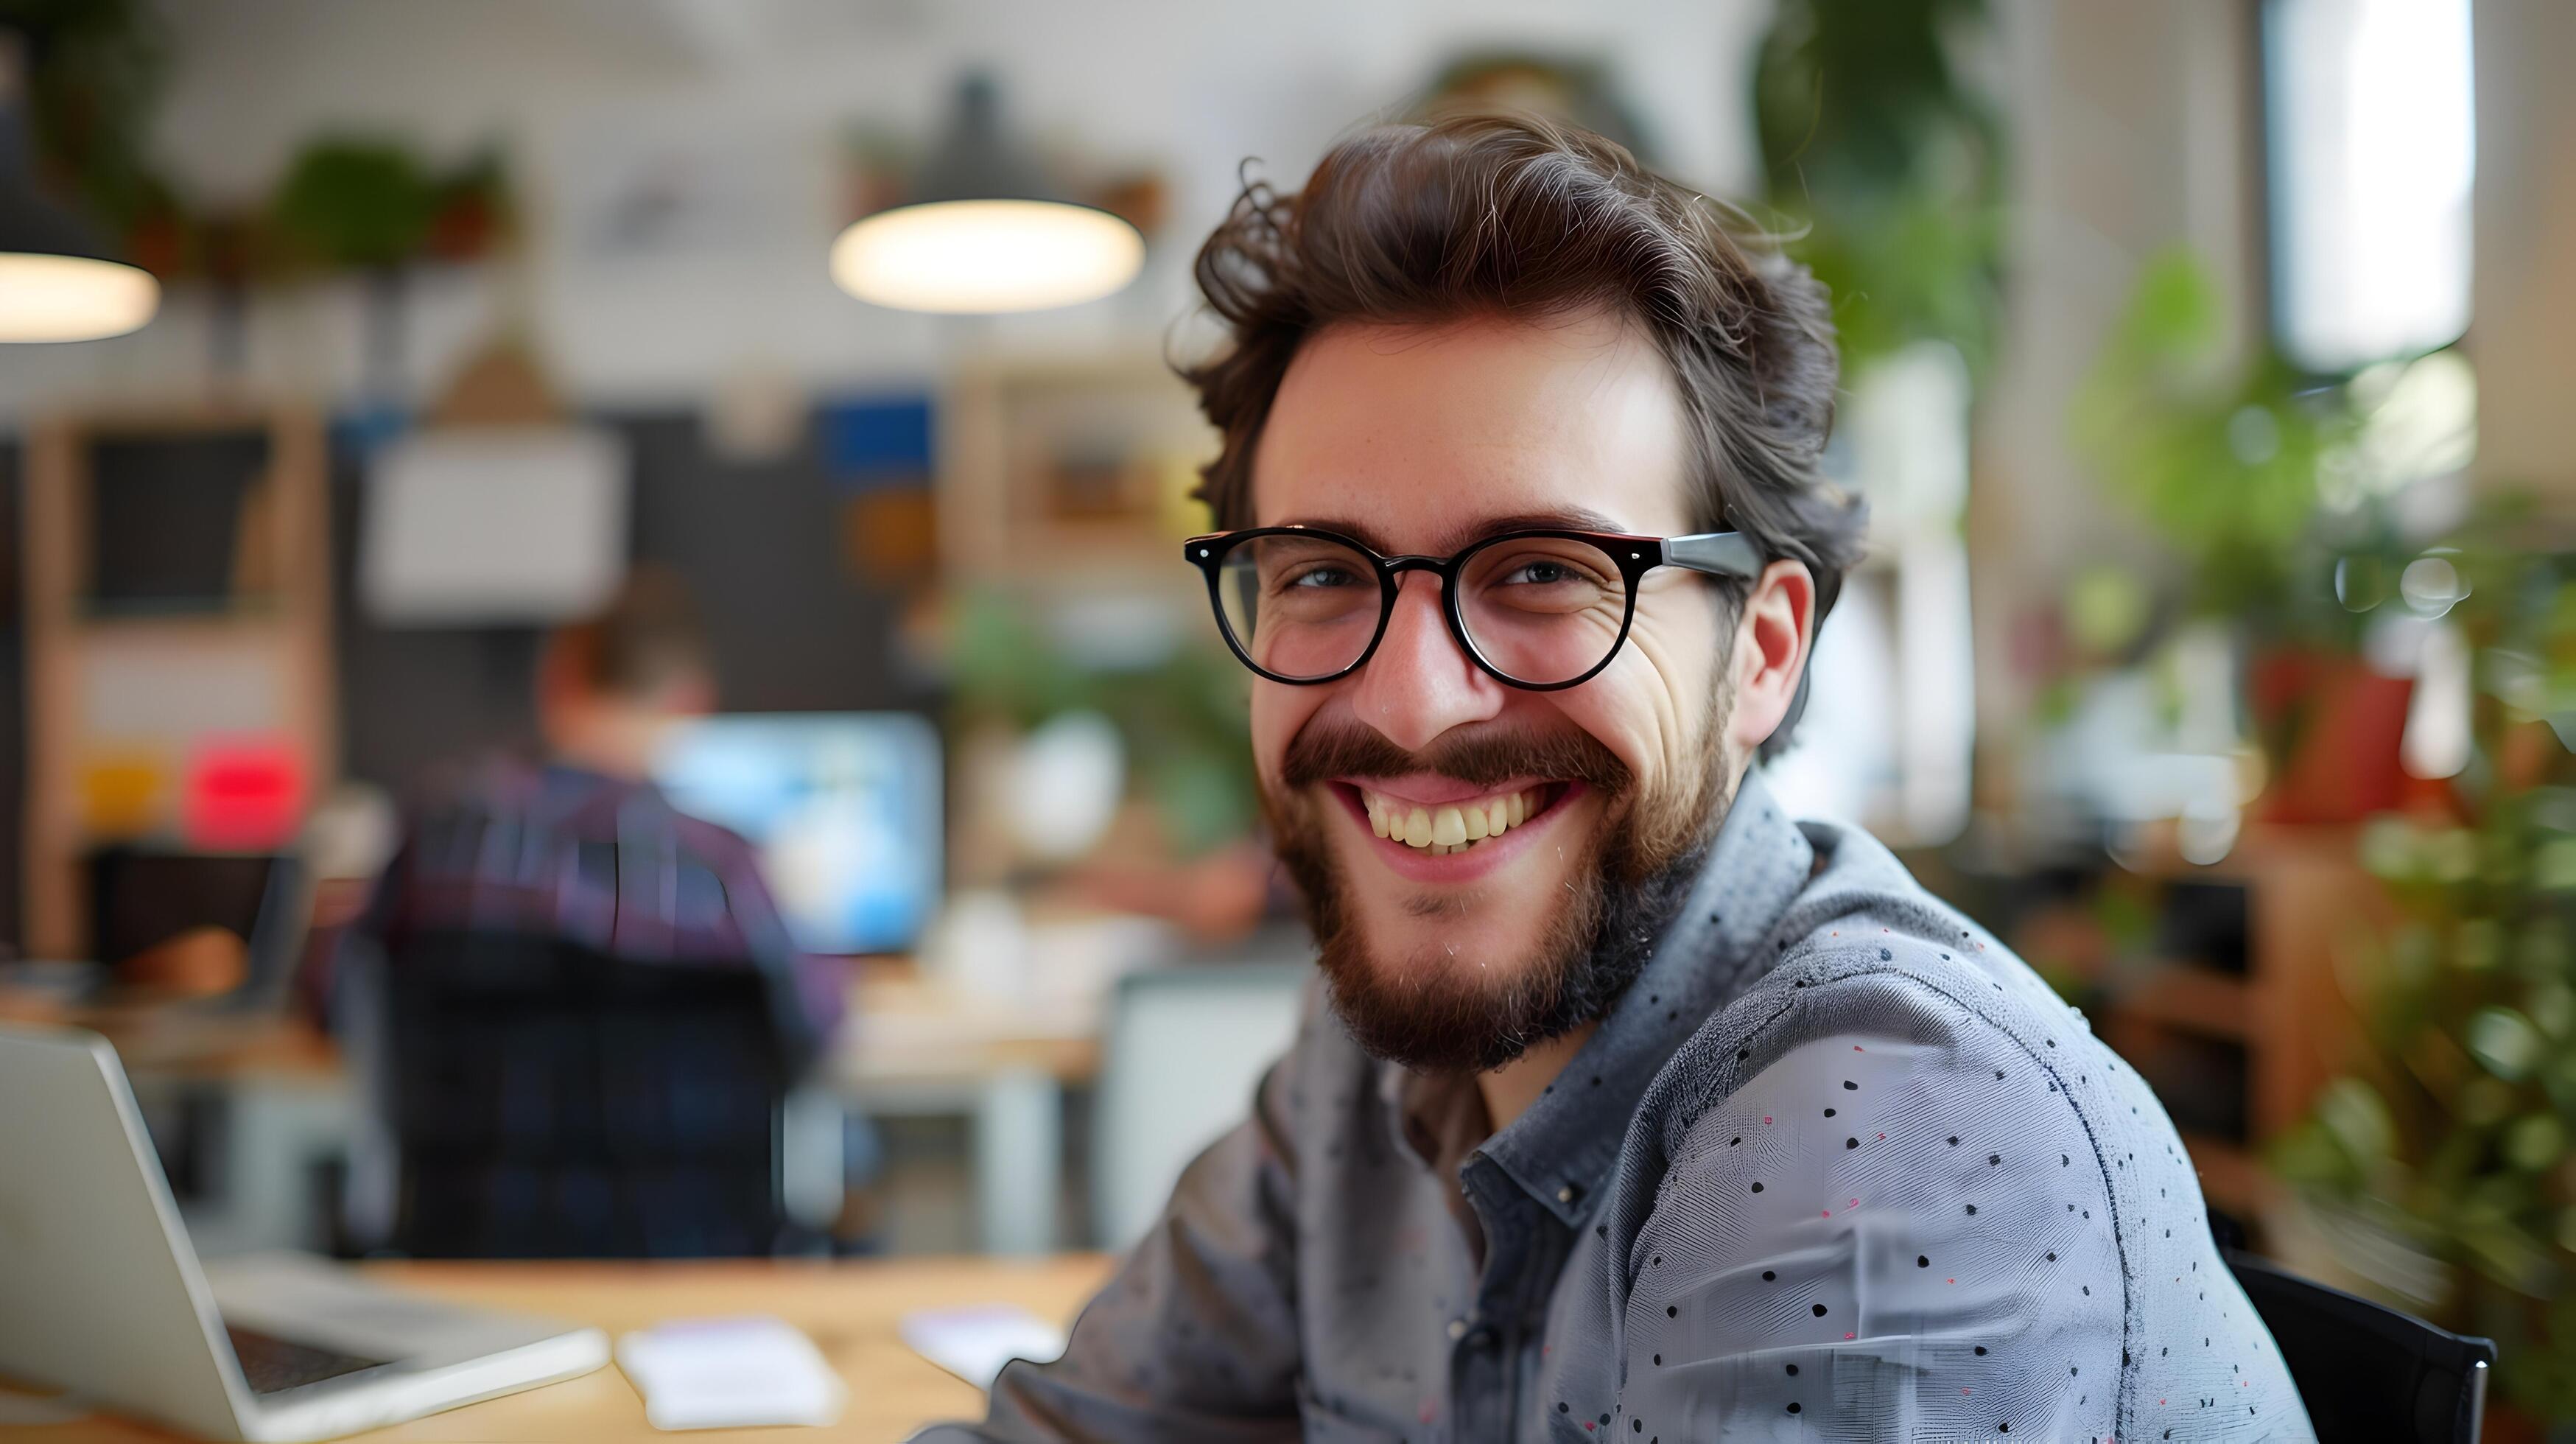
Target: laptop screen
{"type": "Point", "coordinates": [141, 898]}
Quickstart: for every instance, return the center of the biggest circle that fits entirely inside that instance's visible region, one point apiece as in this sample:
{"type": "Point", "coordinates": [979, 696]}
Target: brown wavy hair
{"type": "Point", "coordinates": [1508, 214]}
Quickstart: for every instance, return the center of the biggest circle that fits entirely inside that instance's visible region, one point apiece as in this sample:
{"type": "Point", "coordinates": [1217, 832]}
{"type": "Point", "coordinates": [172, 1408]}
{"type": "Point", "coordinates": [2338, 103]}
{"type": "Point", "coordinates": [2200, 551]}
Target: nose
{"type": "Point", "coordinates": [1420, 684]}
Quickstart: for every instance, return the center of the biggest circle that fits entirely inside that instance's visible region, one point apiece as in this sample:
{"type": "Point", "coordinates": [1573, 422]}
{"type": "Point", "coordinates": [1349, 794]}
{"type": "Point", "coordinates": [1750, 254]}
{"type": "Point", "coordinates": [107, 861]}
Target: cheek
{"type": "Point", "coordinates": [1277, 713]}
{"type": "Point", "coordinates": [1625, 710]}
{"type": "Point", "coordinates": [1652, 705]}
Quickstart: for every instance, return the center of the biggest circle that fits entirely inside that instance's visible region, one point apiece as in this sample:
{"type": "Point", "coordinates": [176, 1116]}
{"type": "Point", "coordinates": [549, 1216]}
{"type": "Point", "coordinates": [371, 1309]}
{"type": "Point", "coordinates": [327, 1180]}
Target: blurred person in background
{"type": "Point", "coordinates": [1634, 1108]}
{"type": "Point", "coordinates": [505, 846]}
{"type": "Point", "coordinates": [579, 845]}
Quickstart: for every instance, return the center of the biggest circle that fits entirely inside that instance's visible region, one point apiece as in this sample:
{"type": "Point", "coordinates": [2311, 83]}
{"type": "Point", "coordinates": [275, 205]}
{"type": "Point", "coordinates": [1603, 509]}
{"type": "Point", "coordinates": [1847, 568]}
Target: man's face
{"type": "Point", "coordinates": [1424, 440]}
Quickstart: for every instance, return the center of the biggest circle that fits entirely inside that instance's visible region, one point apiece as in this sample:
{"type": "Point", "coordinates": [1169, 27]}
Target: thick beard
{"type": "Point", "coordinates": [1439, 1015]}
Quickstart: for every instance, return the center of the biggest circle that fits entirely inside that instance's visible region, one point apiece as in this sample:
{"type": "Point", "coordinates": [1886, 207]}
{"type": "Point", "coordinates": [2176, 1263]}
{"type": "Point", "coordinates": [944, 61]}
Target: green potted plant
{"type": "Point", "coordinates": [2440, 1170]}
{"type": "Point", "coordinates": [2255, 478]}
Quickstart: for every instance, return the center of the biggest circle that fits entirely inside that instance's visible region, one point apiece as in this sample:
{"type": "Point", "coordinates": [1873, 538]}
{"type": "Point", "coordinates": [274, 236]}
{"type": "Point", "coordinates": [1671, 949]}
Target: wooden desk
{"type": "Point", "coordinates": [850, 1310]}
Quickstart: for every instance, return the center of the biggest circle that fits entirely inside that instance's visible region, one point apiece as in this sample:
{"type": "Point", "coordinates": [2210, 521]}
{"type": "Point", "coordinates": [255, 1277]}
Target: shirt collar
{"type": "Point", "coordinates": [1720, 940]}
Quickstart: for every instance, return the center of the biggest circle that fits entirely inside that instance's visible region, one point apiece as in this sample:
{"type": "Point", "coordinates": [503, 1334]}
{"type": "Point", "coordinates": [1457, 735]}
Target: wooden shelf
{"type": "Point", "coordinates": [111, 680]}
{"type": "Point", "coordinates": [2191, 998]}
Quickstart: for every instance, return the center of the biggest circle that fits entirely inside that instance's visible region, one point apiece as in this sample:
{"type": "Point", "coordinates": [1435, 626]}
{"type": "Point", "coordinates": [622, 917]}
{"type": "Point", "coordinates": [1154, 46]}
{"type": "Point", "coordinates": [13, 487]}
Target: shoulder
{"type": "Point", "coordinates": [1899, 1060]}
{"type": "Point", "coordinates": [1870, 1162]}
{"type": "Point", "coordinates": [1888, 1045]}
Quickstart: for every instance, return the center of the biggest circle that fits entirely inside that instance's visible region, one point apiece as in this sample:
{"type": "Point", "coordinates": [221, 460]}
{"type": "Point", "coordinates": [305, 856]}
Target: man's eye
{"type": "Point", "coordinates": [1325, 576]}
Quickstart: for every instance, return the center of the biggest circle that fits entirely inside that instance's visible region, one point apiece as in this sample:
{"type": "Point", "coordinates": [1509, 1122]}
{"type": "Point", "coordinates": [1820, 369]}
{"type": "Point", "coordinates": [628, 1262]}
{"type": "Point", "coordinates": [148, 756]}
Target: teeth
{"type": "Point", "coordinates": [1417, 828]}
{"type": "Point", "coordinates": [1448, 829]}
{"type": "Point", "coordinates": [1444, 830]}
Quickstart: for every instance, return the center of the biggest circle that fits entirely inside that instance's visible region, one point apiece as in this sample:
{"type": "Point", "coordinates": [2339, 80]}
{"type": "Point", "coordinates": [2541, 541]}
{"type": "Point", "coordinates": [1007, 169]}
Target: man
{"type": "Point", "coordinates": [582, 847]}
{"type": "Point", "coordinates": [1639, 1110]}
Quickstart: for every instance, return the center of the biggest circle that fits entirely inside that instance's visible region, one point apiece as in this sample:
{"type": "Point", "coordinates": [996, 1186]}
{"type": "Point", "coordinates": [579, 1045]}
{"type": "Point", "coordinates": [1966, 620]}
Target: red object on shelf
{"type": "Point", "coordinates": [242, 795]}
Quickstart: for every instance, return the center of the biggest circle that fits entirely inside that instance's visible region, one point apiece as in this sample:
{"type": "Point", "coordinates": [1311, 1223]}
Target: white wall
{"type": "Point", "coordinates": [2130, 130]}
{"type": "Point", "coordinates": [2522, 327]}
{"type": "Point", "coordinates": [756, 95]}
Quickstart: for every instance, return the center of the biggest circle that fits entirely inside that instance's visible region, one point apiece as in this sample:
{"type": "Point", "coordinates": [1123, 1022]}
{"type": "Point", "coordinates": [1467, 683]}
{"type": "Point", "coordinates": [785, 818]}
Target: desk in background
{"type": "Point", "coordinates": [924, 1050]}
{"type": "Point", "coordinates": [919, 1049]}
{"type": "Point", "coordinates": [852, 1311]}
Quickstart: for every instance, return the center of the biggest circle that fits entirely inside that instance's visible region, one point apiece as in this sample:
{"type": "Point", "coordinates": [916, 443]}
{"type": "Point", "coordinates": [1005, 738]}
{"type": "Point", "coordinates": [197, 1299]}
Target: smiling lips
{"type": "Point", "coordinates": [1449, 827]}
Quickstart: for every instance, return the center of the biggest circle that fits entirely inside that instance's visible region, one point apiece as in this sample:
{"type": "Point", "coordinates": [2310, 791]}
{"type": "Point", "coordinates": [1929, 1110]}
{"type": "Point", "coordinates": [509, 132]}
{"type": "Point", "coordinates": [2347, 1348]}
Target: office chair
{"type": "Point", "coordinates": [1186, 1048]}
{"type": "Point", "coordinates": [543, 1100]}
{"type": "Point", "coordinates": [2366, 1371]}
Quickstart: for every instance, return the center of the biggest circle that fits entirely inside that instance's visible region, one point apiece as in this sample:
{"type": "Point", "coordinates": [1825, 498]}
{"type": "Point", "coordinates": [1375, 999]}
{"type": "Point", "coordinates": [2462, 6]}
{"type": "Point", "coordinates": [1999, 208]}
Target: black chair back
{"type": "Point", "coordinates": [548, 1101]}
{"type": "Point", "coordinates": [2366, 1371]}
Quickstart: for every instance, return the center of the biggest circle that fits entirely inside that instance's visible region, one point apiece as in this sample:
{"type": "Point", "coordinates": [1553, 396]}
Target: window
{"type": "Point", "coordinates": [2372, 147]}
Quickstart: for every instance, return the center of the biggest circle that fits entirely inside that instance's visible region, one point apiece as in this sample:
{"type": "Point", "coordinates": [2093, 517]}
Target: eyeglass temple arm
{"type": "Point", "coordinates": [1720, 553]}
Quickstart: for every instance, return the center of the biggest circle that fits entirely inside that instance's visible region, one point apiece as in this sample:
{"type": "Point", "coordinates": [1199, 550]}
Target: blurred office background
{"type": "Point", "coordinates": [2207, 368]}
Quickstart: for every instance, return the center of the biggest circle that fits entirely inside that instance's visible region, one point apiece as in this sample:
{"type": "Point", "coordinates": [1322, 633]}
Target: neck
{"type": "Point", "coordinates": [611, 743]}
{"type": "Point", "coordinates": [1511, 1089]}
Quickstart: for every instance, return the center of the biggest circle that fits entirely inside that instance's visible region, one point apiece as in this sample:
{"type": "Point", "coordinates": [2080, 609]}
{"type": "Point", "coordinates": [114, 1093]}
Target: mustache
{"type": "Point", "coordinates": [1322, 751]}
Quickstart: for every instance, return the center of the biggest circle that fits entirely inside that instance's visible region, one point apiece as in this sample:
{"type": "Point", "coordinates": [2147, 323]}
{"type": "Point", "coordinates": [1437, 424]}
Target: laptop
{"type": "Point", "coordinates": [101, 1294]}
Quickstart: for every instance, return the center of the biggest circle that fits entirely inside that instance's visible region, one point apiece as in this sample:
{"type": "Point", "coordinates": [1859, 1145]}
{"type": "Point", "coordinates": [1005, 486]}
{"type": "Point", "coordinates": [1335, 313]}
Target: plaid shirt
{"type": "Point", "coordinates": [609, 864]}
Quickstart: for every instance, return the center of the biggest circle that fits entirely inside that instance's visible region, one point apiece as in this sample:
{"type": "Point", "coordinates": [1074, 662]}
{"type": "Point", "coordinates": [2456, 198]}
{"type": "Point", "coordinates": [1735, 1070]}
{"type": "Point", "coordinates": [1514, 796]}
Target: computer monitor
{"type": "Point", "coordinates": [844, 807]}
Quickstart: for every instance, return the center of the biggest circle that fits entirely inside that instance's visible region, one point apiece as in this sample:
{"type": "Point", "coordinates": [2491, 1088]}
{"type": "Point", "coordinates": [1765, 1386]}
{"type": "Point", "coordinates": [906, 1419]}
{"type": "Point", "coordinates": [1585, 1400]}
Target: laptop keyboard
{"type": "Point", "coordinates": [274, 1365]}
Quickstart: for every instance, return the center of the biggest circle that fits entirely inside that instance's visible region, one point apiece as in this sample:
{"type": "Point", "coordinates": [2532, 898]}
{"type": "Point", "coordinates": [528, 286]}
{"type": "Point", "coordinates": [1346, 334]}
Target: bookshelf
{"type": "Point", "coordinates": [178, 624]}
{"type": "Point", "coordinates": [2274, 1011]}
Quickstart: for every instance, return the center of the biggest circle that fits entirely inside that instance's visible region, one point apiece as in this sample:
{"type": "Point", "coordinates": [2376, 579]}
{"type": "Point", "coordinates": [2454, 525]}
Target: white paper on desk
{"type": "Point", "coordinates": [729, 1374]}
{"type": "Point", "coordinates": [974, 1343]}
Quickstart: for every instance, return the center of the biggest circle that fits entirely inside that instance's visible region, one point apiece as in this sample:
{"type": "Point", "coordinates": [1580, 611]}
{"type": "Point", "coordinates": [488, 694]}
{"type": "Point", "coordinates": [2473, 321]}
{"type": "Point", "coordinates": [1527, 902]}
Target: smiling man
{"type": "Point", "coordinates": [1631, 1108]}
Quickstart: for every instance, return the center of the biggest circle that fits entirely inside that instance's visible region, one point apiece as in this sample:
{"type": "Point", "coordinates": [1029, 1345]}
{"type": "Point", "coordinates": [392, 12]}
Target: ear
{"type": "Point", "coordinates": [692, 694]}
{"type": "Point", "coordinates": [558, 681]}
{"type": "Point", "coordinates": [1772, 637]}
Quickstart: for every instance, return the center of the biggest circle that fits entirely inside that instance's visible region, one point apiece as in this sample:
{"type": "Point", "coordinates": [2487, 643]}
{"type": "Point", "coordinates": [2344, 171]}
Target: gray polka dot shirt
{"type": "Point", "coordinates": [1837, 1167]}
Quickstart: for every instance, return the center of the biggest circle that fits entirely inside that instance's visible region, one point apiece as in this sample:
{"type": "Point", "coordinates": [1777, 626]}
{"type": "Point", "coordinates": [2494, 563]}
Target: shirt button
{"type": "Point", "coordinates": [1565, 1194]}
{"type": "Point", "coordinates": [1457, 1328]}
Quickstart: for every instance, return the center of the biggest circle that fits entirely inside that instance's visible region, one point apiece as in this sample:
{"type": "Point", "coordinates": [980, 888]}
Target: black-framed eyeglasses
{"type": "Point", "coordinates": [1540, 609]}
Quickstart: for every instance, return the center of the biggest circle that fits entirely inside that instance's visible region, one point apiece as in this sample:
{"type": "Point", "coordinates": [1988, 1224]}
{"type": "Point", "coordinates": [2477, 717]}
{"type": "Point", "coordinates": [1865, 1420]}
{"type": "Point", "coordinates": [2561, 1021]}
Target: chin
{"type": "Point", "coordinates": [1451, 962]}
{"type": "Point", "coordinates": [1472, 903]}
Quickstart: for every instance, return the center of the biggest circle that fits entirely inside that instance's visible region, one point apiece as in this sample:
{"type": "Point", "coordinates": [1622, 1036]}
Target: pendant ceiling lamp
{"type": "Point", "coordinates": [984, 232]}
{"type": "Point", "coordinates": [58, 281]}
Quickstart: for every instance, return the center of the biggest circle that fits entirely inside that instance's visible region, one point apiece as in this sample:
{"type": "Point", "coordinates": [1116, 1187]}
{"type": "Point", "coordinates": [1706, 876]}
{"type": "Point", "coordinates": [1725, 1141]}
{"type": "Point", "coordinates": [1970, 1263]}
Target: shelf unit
{"type": "Point", "coordinates": [1067, 477]}
{"type": "Point", "coordinates": [256, 658]}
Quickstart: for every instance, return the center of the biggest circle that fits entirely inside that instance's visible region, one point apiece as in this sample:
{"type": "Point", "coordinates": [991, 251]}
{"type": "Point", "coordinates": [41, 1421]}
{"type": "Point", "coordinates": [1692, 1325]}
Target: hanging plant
{"type": "Point", "coordinates": [1890, 165]}
{"type": "Point", "coordinates": [355, 203]}
{"type": "Point", "coordinates": [95, 73]}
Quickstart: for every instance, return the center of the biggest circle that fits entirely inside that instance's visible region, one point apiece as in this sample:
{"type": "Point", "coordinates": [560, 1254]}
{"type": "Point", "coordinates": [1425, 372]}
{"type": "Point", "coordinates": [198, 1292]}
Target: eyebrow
{"type": "Point", "coordinates": [1467, 533]}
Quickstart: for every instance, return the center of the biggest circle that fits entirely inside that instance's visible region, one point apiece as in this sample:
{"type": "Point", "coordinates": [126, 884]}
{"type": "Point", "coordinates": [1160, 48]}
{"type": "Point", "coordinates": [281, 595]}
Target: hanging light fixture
{"type": "Point", "coordinates": [58, 281]}
{"type": "Point", "coordinates": [984, 232]}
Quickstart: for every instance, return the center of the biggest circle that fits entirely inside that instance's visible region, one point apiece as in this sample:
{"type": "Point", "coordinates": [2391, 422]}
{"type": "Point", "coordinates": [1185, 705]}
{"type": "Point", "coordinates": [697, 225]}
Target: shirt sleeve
{"type": "Point", "coordinates": [807, 993]}
{"type": "Point", "coordinates": [1896, 1227]}
{"type": "Point", "coordinates": [1195, 1337]}
{"type": "Point", "coordinates": [361, 942]}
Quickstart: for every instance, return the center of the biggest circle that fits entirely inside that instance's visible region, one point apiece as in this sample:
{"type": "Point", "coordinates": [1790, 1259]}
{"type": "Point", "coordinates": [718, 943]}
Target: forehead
{"type": "Point", "coordinates": [1415, 436]}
